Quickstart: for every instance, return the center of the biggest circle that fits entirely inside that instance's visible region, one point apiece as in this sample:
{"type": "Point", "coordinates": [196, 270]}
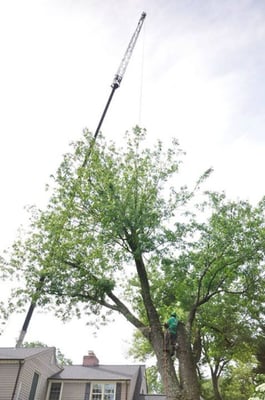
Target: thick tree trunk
{"type": "Point", "coordinates": [187, 388]}
{"type": "Point", "coordinates": [187, 366]}
{"type": "Point", "coordinates": [168, 373]}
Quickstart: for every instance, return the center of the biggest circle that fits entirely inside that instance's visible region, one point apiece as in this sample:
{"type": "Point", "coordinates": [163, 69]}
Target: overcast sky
{"type": "Point", "coordinates": [197, 73]}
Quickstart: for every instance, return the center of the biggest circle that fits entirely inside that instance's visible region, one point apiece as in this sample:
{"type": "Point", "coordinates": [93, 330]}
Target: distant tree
{"type": "Point", "coordinates": [238, 381]}
{"type": "Point", "coordinates": [4, 312]}
{"type": "Point", "coordinates": [226, 337]}
{"type": "Point", "coordinates": [62, 360]}
{"type": "Point", "coordinates": [260, 352]}
{"type": "Point", "coordinates": [120, 235]}
{"type": "Point", "coordinates": [154, 383]}
{"type": "Point", "coordinates": [3, 316]}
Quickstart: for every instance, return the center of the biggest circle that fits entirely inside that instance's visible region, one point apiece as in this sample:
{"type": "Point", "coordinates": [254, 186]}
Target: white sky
{"type": "Point", "coordinates": [198, 67]}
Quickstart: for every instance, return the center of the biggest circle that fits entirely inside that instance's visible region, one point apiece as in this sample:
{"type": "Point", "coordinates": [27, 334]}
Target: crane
{"type": "Point", "coordinates": [115, 85]}
{"type": "Point", "coordinates": [122, 68]}
{"type": "Point", "coordinates": [118, 78]}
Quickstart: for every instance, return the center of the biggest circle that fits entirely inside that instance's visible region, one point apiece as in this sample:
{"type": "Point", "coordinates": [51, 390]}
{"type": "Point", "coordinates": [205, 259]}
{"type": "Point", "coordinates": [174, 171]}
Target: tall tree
{"type": "Point", "coordinates": [120, 235]}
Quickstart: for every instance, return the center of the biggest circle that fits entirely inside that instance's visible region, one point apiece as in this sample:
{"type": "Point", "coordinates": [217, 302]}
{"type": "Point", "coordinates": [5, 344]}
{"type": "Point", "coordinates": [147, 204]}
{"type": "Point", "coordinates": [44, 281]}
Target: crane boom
{"type": "Point", "coordinates": [122, 68]}
{"type": "Point", "coordinates": [115, 84]}
{"type": "Point", "coordinates": [126, 58]}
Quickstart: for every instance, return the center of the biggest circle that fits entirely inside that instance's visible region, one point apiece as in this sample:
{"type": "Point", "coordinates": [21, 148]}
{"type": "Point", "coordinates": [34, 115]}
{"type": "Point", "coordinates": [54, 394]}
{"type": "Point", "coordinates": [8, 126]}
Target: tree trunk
{"type": "Point", "coordinates": [187, 366]}
{"type": "Point", "coordinates": [187, 388]}
{"type": "Point", "coordinates": [168, 374]}
{"type": "Point", "coordinates": [217, 394]}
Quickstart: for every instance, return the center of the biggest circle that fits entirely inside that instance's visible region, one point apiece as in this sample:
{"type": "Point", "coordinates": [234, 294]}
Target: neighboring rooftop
{"type": "Point", "coordinates": [13, 353]}
{"type": "Point", "coordinates": [98, 372]}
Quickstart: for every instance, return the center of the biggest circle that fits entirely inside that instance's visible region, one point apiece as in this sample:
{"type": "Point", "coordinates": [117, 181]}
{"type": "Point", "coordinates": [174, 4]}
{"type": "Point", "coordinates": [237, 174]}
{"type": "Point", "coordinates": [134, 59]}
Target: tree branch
{"type": "Point", "coordinates": [118, 305]}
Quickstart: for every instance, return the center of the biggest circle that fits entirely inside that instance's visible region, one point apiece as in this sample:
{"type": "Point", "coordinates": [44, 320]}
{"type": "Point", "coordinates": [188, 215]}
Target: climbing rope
{"type": "Point", "coordinates": [165, 354]}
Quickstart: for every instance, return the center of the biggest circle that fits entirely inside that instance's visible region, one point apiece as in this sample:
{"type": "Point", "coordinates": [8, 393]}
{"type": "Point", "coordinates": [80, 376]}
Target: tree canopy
{"type": "Point", "coordinates": [121, 235]}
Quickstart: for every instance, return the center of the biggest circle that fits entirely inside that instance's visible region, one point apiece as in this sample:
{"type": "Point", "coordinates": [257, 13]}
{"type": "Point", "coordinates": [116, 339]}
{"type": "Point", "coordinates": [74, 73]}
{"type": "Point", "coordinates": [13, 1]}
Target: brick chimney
{"type": "Point", "coordinates": [90, 360]}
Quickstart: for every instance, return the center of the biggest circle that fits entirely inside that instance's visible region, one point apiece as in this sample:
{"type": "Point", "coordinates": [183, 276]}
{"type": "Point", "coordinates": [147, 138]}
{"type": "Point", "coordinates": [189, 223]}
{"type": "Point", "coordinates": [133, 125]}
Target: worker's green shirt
{"type": "Point", "coordinates": [172, 325]}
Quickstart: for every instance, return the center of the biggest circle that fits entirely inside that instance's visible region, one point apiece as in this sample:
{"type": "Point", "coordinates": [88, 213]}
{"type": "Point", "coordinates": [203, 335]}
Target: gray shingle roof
{"type": "Point", "coordinates": [99, 372]}
{"type": "Point", "coordinates": [21, 353]}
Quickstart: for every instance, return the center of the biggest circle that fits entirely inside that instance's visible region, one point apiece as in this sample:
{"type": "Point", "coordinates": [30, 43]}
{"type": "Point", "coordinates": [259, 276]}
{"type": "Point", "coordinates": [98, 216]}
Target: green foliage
{"type": "Point", "coordinates": [154, 383]}
{"type": "Point", "coordinates": [207, 389]}
{"type": "Point", "coordinates": [260, 352]}
{"type": "Point", "coordinates": [119, 234]}
{"type": "Point", "coordinates": [259, 393]}
{"type": "Point", "coordinates": [100, 216]}
{"type": "Point", "coordinates": [238, 381]}
{"type": "Point", "coordinates": [3, 315]}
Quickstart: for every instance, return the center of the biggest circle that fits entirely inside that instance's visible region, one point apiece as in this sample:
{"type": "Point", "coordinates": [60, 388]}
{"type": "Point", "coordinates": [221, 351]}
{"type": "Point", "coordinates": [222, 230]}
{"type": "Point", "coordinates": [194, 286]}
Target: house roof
{"type": "Point", "coordinates": [98, 372]}
{"type": "Point", "coordinates": [21, 353]}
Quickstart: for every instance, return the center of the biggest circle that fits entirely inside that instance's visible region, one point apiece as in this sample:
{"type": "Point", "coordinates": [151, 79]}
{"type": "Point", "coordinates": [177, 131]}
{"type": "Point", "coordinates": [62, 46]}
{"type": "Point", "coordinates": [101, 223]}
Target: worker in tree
{"type": "Point", "coordinates": [172, 329]}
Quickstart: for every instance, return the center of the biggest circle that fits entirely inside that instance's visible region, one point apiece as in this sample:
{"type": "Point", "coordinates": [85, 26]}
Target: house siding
{"type": "Point", "coordinates": [74, 391]}
{"type": "Point", "coordinates": [43, 365]}
{"type": "Point", "coordinates": [77, 390]}
{"type": "Point", "coordinates": [18, 367]}
{"type": "Point", "coordinates": [8, 375]}
{"type": "Point", "coordinates": [124, 390]}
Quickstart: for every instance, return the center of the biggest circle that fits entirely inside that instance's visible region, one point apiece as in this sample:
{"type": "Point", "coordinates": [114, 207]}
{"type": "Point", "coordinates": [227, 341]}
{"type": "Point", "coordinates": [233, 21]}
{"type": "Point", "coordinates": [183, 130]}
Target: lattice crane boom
{"type": "Point", "coordinates": [126, 58]}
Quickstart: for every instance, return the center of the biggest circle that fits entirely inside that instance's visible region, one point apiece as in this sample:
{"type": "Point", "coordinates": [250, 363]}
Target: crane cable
{"type": "Point", "coordinates": [141, 79]}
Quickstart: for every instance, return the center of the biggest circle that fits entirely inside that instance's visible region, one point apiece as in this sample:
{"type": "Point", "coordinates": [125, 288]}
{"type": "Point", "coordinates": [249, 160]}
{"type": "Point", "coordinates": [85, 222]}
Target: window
{"type": "Point", "coordinates": [109, 390]}
{"type": "Point", "coordinates": [55, 391]}
{"type": "Point", "coordinates": [103, 391]}
{"type": "Point", "coordinates": [33, 386]}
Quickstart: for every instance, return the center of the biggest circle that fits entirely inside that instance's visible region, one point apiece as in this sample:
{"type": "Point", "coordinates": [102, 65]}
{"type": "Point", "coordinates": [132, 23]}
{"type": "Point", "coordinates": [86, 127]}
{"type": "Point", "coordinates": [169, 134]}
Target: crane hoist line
{"type": "Point", "coordinates": [115, 84]}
